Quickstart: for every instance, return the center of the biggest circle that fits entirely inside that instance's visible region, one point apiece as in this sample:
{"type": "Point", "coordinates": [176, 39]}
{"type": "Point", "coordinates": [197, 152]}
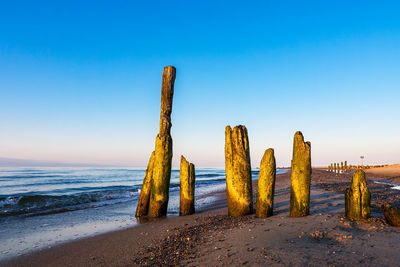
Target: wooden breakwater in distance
{"type": "Point", "coordinates": [266, 185]}
{"type": "Point", "coordinates": [300, 177]}
{"type": "Point", "coordinates": [358, 198]}
{"type": "Point", "coordinates": [364, 167]}
{"type": "Point", "coordinates": [157, 178]}
{"type": "Point", "coordinates": [187, 183]}
{"type": "Point", "coordinates": [344, 167]}
{"type": "Point", "coordinates": [238, 171]}
{"type": "Point", "coordinates": [339, 168]}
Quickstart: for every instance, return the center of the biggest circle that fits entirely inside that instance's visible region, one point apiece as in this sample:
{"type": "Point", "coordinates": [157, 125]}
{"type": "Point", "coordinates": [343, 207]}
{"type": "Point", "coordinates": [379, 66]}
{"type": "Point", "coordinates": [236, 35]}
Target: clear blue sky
{"type": "Point", "coordinates": [80, 80]}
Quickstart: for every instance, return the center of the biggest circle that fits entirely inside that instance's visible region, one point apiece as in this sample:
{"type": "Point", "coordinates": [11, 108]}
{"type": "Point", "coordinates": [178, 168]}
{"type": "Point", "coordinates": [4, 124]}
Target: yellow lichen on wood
{"type": "Point", "coordinates": [144, 197]}
{"type": "Point", "coordinates": [266, 185]}
{"type": "Point", "coordinates": [238, 171]}
{"type": "Point", "coordinates": [301, 177]}
{"type": "Point", "coordinates": [358, 198]}
{"type": "Point", "coordinates": [187, 187]}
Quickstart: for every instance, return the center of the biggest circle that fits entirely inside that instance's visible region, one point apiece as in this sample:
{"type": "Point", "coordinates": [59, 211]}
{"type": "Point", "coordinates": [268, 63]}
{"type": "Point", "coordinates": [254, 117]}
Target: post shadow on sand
{"type": "Point", "coordinates": [317, 205]}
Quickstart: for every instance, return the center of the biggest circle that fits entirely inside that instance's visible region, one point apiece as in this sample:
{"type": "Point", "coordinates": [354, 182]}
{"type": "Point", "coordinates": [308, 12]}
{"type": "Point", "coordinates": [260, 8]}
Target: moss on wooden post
{"type": "Point", "coordinates": [238, 171]}
{"type": "Point", "coordinates": [187, 182]}
{"type": "Point", "coordinates": [358, 198]}
{"type": "Point", "coordinates": [266, 185]}
{"type": "Point", "coordinates": [163, 153]}
{"type": "Point", "coordinates": [301, 177]}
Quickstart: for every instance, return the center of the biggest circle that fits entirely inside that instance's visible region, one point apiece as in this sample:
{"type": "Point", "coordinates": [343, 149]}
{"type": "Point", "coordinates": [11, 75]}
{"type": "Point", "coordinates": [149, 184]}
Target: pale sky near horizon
{"type": "Point", "coordinates": [80, 82]}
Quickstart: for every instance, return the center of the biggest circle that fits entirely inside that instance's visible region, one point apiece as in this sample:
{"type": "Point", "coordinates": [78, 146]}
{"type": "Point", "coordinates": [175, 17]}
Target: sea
{"type": "Point", "coordinates": [41, 207]}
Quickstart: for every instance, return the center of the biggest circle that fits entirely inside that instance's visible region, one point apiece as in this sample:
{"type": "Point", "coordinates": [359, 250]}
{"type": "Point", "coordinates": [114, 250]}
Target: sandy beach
{"type": "Point", "coordinates": [211, 238]}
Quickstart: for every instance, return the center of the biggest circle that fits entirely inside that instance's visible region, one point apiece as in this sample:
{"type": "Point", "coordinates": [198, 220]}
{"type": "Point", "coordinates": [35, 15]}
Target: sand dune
{"type": "Point", "coordinates": [391, 171]}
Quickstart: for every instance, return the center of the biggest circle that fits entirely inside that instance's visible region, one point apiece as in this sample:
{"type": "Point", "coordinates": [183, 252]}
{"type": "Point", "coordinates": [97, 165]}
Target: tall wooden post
{"type": "Point", "coordinates": [163, 153]}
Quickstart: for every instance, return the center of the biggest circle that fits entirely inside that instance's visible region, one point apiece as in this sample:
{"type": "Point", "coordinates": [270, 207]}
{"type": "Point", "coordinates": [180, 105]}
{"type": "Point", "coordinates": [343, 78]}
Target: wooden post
{"type": "Point", "coordinates": [187, 183]}
{"type": "Point", "coordinates": [392, 215]}
{"type": "Point", "coordinates": [266, 185]}
{"type": "Point", "coordinates": [301, 177]}
{"type": "Point", "coordinates": [159, 195]}
{"type": "Point", "coordinates": [238, 171]}
{"type": "Point", "coordinates": [144, 197]}
{"type": "Point", "coordinates": [358, 198]}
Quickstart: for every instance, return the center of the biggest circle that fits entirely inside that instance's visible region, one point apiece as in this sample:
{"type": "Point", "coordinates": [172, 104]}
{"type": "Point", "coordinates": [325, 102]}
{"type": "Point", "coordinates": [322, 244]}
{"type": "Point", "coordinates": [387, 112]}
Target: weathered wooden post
{"type": "Point", "coordinates": [144, 197]}
{"type": "Point", "coordinates": [266, 185]}
{"type": "Point", "coordinates": [392, 215]}
{"type": "Point", "coordinates": [301, 177]}
{"type": "Point", "coordinates": [334, 167]}
{"type": "Point", "coordinates": [159, 194]}
{"type": "Point", "coordinates": [187, 182]}
{"type": "Point", "coordinates": [346, 168]}
{"type": "Point", "coordinates": [238, 171]}
{"type": "Point", "coordinates": [358, 198]}
{"type": "Point", "coordinates": [342, 167]}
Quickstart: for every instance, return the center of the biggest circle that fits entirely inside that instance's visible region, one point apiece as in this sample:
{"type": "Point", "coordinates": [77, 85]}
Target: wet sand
{"type": "Point", "coordinates": [211, 238]}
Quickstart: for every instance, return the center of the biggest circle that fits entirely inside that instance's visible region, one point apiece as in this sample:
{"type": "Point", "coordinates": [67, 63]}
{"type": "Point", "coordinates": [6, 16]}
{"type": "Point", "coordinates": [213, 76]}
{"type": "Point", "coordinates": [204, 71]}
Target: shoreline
{"type": "Point", "coordinates": [210, 237]}
{"type": "Point", "coordinates": [142, 225]}
{"type": "Point", "coordinates": [24, 234]}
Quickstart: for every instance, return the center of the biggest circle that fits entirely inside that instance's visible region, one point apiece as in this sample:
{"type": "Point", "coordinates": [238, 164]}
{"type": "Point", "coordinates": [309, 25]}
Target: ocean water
{"type": "Point", "coordinates": [394, 186]}
{"type": "Point", "coordinates": [36, 191]}
{"type": "Point", "coordinates": [43, 207]}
